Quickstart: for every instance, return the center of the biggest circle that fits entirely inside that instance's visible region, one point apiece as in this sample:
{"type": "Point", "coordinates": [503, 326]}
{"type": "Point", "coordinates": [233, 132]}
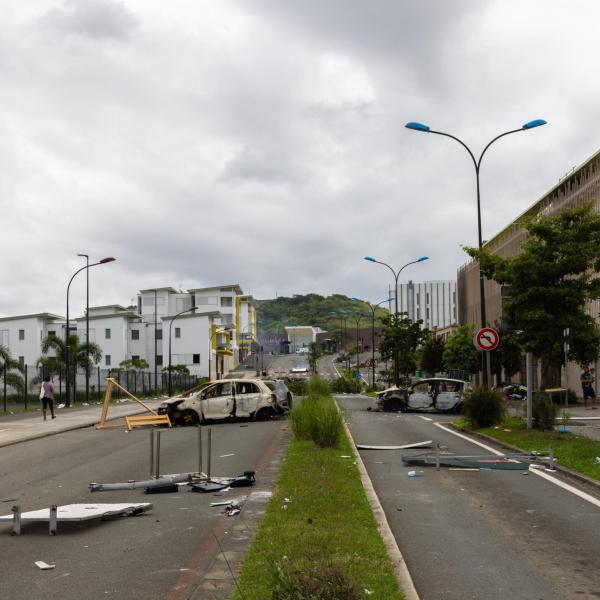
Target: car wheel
{"type": "Point", "coordinates": [189, 417]}
{"type": "Point", "coordinates": [264, 414]}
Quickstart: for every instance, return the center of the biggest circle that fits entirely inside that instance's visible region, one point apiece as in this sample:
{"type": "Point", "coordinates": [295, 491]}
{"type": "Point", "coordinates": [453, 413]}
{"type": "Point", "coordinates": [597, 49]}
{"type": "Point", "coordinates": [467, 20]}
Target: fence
{"type": "Point", "coordinates": [137, 382]}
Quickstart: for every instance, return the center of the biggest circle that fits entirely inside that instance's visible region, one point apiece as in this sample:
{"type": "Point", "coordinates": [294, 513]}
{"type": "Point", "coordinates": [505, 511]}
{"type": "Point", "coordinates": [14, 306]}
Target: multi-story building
{"type": "Point", "coordinates": [209, 340]}
{"type": "Point", "coordinates": [580, 186]}
{"type": "Point", "coordinates": [432, 301]}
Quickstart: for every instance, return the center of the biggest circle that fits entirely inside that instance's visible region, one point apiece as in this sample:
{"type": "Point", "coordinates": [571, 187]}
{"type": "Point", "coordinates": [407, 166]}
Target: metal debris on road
{"type": "Point", "coordinates": [40, 564]}
{"type": "Point", "coordinates": [426, 444]}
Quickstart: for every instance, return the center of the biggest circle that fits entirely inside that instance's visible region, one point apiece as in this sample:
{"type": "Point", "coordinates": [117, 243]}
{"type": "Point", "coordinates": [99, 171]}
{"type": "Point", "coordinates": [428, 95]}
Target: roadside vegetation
{"type": "Point", "coordinates": [319, 539]}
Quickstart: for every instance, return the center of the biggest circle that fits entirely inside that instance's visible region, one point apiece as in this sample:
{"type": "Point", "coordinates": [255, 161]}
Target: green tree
{"type": "Point", "coordinates": [178, 369]}
{"type": "Point", "coordinates": [11, 371]}
{"type": "Point", "coordinates": [550, 282]}
{"type": "Point", "coordinates": [81, 355]}
{"type": "Point", "coordinates": [459, 352]}
{"type": "Point", "coordinates": [507, 356]}
{"type": "Point", "coordinates": [402, 337]}
{"type": "Point", "coordinates": [134, 364]}
{"type": "Point", "coordinates": [313, 356]}
{"type": "Point", "coordinates": [432, 352]}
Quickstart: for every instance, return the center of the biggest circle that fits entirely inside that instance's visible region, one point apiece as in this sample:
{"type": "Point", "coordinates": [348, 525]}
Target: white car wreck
{"type": "Point", "coordinates": [223, 399]}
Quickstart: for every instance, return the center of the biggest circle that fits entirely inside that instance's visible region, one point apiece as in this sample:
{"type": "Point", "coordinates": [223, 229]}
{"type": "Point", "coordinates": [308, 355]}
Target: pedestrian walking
{"type": "Point", "coordinates": [47, 394]}
{"type": "Point", "coordinates": [587, 386]}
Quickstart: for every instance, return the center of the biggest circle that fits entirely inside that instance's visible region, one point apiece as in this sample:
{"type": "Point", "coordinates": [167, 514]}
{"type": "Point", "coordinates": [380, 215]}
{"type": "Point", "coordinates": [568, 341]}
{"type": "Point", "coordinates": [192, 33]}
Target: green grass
{"type": "Point", "coordinates": [572, 451]}
{"type": "Point", "coordinates": [328, 521]}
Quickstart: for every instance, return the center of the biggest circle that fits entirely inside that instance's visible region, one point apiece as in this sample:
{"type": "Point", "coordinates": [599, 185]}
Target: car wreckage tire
{"type": "Point", "coordinates": [189, 417]}
{"type": "Point", "coordinates": [264, 414]}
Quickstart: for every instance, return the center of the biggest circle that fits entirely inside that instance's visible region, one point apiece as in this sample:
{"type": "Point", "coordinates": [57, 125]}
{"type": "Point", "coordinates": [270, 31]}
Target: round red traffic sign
{"type": "Point", "coordinates": [486, 339]}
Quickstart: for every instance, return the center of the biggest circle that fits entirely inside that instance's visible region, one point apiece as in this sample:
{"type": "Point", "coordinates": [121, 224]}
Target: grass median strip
{"type": "Point", "coordinates": [572, 451]}
{"type": "Point", "coordinates": [319, 539]}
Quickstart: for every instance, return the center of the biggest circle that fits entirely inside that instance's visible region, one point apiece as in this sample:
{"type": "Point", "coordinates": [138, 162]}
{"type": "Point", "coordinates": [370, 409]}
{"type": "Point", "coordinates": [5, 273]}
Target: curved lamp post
{"type": "Point", "coordinates": [396, 275]}
{"type": "Point", "coordinates": [373, 307]}
{"type": "Point", "coordinates": [170, 389]}
{"type": "Point", "coordinates": [67, 344]}
{"type": "Point", "coordinates": [477, 164]}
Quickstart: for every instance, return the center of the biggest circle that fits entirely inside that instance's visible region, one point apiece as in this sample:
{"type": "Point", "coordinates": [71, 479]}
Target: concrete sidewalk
{"type": "Point", "coordinates": [31, 426]}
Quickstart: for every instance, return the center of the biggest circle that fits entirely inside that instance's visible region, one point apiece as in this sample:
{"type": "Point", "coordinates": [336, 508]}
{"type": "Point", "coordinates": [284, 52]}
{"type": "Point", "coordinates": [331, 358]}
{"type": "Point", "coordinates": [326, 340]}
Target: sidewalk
{"type": "Point", "coordinates": [30, 426]}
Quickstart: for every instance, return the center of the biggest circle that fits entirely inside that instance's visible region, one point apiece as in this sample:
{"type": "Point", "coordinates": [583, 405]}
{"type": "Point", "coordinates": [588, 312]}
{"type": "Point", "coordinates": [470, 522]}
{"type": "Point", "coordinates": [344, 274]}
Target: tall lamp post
{"type": "Point", "coordinates": [396, 275]}
{"type": "Point", "coordinates": [155, 340]}
{"type": "Point", "coordinates": [170, 390]}
{"type": "Point", "coordinates": [67, 341]}
{"type": "Point", "coordinates": [87, 326]}
{"type": "Point", "coordinates": [373, 307]}
{"type": "Point", "coordinates": [485, 358]}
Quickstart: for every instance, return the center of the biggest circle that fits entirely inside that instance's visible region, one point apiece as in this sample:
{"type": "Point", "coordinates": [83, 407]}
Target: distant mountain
{"type": "Point", "coordinates": [311, 309]}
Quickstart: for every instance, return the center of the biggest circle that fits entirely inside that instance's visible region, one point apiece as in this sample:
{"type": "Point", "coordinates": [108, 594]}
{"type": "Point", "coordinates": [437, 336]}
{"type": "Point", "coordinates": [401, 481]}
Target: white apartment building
{"type": "Point", "coordinates": [209, 340]}
{"type": "Point", "coordinates": [23, 334]}
{"type": "Point", "coordinates": [432, 301]}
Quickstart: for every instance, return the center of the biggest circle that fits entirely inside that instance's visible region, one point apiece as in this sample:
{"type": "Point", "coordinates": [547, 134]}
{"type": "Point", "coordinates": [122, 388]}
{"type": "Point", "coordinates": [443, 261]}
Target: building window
{"type": "Point", "coordinates": [427, 312]}
{"type": "Point", "coordinates": [196, 359]}
{"type": "Point", "coordinates": [226, 301]}
{"type": "Point", "coordinates": [107, 360]}
{"type": "Point", "coordinates": [135, 357]}
{"type": "Point", "coordinates": [177, 332]}
{"type": "Point", "coordinates": [21, 334]}
{"type": "Point", "coordinates": [427, 299]}
{"type": "Point", "coordinates": [52, 334]}
{"type": "Point", "coordinates": [159, 360]}
{"type": "Point", "coordinates": [22, 361]}
{"type": "Point", "coordinates": [135, 334]}
{"type": "Point", "coordinates": [159, 334]}
{"type": "Point", "coordinates": [107, 334]}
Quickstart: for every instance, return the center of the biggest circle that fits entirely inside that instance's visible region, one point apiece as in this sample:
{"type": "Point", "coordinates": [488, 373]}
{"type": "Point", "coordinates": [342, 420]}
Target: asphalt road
{"type": "Point", "coordinates": [486, 535]}
{"type": "Point", "coordinates": [160, 554]}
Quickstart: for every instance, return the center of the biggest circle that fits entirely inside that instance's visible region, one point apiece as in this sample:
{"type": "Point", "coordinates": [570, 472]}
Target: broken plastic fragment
{"type": "Point", "coordinates": [40, 564]}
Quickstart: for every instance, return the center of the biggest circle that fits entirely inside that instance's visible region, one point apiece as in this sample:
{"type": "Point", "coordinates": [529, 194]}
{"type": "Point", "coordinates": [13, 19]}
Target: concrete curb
{"type": "Point", "coordinates": [400, 569]}
{"type": "Point", "coordinates": [507, 446]}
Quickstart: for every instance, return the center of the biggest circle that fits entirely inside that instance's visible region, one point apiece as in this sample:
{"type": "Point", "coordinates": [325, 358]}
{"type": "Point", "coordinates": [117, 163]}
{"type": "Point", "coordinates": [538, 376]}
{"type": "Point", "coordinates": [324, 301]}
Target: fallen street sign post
{"type": "Point", "coordinates": [486, 339]}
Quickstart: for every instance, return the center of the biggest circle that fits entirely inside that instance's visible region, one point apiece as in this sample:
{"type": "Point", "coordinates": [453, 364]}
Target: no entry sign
{"type": "Point", "coordinates": [486, 339]}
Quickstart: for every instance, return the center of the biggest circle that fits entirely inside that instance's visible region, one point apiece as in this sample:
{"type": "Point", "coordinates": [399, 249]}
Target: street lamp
{"type": "Point", "coordinates": [485, 360]}
{"type": "Point", "coordinates": [67, 344]}
{"type": "Point", "coordinates": [170, 390]}
{"type": "Point", "coordinates": [373, 307]}
{"type": "Point", "coordinates": [87, 326]}
{"type": "Point", "coordinates": [396, 275]}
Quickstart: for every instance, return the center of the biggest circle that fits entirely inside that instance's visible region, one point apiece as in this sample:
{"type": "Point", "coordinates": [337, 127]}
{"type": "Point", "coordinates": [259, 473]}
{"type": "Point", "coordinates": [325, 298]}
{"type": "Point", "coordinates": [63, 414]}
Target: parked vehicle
{"type": "Point", "coordinates": [433, 394]}
{"type": "Point", "coordinates": [284, 396]}
{"type": "Point", "coordinates": [224, 399]}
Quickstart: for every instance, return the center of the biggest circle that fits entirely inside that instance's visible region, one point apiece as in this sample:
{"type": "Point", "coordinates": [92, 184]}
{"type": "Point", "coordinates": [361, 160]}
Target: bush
{"type": "Point", "coordinates": [346, 385]}
{"type": "Point", "coordinates": [317, 419]}
{"type": "Point", "coordinates": [315, 581]}
{"type": "Point", "coordinates": [544, 411]}
{"type": "Point", "coordinates": [317, 387]}
{"type": "Point", "coordinates": [483, 407]}
{"type": "Point", "coordinates": [298, 387]}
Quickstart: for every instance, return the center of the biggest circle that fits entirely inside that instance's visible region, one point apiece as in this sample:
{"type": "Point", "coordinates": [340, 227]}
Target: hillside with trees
{"type": "Point", "coordinates": [311, 309]}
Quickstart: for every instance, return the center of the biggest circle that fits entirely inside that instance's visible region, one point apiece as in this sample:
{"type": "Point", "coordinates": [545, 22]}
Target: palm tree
{"type": "Point", "coordinates": [80, 355]}
{"type": "Point", "coordinates": [11, 371]}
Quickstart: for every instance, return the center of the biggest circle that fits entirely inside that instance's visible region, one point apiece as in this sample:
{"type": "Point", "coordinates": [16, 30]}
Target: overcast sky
{"type": "Point", "coordinates": [262, 142]}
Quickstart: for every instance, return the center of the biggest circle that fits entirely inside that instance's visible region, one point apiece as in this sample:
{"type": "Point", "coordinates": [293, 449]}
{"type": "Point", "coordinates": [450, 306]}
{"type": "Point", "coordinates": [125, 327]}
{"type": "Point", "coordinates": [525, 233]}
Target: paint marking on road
{"type": "Point", "coordinates": [464, 437]}
{"type": "Point", "coordinates": [424, 418]}
{"type": "Point", "coordinates": [567, 487]}
{"type": "Point", "coordinates": [558, 482]}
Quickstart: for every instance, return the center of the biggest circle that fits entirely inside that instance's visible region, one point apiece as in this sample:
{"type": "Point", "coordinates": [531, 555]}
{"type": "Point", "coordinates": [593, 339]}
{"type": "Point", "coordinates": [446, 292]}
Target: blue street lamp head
{"type": "Point", "coordinates": [390, 299]}
{"type": "Point", "coordinates": [370, 259]}
{"type": "Point", "coordinates": [532, 124]}
{"type": "Point", "coordinates": [423, 258]}
{"type": "Point", "coordinates": [417, 126]}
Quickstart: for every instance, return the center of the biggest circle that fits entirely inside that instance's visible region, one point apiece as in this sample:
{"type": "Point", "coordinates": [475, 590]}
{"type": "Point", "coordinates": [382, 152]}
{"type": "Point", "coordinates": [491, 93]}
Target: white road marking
{"type": "Point", "coordinates": [464, 437]}
{"type": "Point", "coordinates": [424, 418]}
{"type": "Point", "coordinates": [558, 482]}
{"type": "Point", "coordinates": [567, 487]}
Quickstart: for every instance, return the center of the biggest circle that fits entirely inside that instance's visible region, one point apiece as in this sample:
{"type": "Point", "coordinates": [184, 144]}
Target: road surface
{"type": "Point", "coordinates": [485, 535]}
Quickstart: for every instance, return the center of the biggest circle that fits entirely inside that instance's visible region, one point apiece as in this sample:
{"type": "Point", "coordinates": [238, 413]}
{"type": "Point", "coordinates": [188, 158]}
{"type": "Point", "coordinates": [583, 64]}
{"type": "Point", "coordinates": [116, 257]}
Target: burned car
{"type": "Point", "coordinates": [434, 394]}
{"type": "Point", "coordinates": [223, 399]}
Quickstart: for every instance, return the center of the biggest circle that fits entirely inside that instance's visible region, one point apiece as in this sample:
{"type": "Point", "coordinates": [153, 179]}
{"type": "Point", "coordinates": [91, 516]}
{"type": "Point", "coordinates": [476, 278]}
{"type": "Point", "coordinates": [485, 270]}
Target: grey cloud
{"type": "Point", "coordinates": [255, 165]}
{"type": "Point", "coordinates": [95, 19]}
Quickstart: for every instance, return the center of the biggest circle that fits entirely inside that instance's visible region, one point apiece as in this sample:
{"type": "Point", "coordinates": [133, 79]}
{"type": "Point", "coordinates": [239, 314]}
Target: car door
{"type": "Point", "coordinates": [247, 398]}
{"type": "Point", "coordinates": [218, 401]}
{"type": "Point", "coordinates": [421, 395]}
{"type": "Point", "coordinates": [448, 395]}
